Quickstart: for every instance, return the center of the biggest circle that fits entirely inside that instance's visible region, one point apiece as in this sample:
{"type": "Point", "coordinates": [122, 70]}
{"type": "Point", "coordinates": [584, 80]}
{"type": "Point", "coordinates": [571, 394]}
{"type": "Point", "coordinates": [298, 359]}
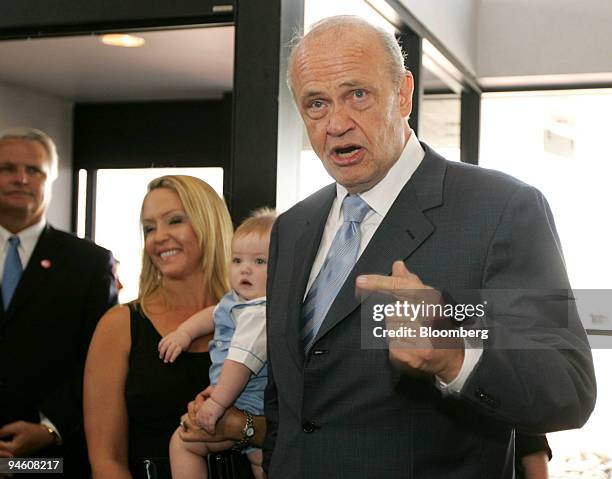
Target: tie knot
{"type": "Point", "coordinates": [354, 208]}
{"type": "Point", "coordinates": [14, 240]}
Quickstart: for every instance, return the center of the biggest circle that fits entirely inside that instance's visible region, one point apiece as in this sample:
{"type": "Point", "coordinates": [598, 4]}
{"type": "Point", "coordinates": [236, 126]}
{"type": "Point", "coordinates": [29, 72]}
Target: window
{"type": "Point", "coordinates": [440, 124]}
{"type": "Point", "coordinates": [560, 142]}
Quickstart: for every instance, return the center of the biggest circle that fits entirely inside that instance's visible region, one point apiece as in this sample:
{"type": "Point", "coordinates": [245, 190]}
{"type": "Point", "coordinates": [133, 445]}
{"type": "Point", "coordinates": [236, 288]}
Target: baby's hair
{"type": "Point", "coordinates": [259, 221]}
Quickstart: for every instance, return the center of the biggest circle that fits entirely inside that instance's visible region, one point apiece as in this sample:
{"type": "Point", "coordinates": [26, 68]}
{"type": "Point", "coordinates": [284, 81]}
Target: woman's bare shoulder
{"type": "Point", "coordinates": [114, 326]}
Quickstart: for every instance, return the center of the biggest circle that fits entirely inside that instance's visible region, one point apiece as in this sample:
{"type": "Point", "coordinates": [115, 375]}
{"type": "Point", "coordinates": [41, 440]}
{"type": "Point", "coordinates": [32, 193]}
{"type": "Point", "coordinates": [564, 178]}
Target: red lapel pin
{"type": "Point", "coordinates": [45, 263]}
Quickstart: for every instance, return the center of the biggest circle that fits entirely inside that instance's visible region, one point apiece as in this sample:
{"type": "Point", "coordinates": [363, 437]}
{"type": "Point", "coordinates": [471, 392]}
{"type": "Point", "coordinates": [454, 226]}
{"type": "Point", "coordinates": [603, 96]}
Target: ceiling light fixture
{"type": "Point", "coordinates": [122, 40]}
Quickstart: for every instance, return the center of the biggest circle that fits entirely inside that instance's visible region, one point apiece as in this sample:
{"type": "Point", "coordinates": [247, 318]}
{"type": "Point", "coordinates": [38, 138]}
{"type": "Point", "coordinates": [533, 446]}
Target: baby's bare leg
{"type": "Point", "coordinates": [188, 459]}
{"type": "Point", "coordinates": [256, 458]}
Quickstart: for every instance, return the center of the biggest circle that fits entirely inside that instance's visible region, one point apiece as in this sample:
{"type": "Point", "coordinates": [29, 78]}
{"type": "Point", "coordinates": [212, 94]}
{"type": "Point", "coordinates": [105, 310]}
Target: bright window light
{"type": "Point", "coordinates": [560, 142]}
{"type": "Point", "coordinates": [313, 176]}
{"type": "Point", "coordinates": [439, 124]}
{"type": "Point", "coordinates": [81, 203]}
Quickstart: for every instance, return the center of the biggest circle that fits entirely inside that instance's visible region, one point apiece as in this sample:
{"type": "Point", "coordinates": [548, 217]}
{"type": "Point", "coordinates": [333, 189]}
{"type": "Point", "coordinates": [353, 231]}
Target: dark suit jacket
{"type": "Point", "coordinates": [345, 412]}
{"type": "Point", "coordinates": [45, 333]}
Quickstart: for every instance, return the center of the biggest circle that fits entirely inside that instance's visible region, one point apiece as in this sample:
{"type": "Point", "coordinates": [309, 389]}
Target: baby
{"type": "Point", "coordinates": [238, 373]}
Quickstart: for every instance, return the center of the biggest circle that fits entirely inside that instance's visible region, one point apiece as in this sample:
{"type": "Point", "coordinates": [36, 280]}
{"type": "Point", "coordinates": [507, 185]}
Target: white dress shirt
{"type": "Point", "coordinates": [380, 198]}
{"type": "Point", "coordinates": [28, 238]}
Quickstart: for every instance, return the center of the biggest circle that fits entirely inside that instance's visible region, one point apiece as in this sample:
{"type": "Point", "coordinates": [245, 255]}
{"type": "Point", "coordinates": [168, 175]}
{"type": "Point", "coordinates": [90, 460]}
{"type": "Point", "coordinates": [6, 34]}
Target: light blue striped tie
{"type": "Point", "coordinates": [12, 271]}
{"type": "Point", "coordinates": [339, 262]}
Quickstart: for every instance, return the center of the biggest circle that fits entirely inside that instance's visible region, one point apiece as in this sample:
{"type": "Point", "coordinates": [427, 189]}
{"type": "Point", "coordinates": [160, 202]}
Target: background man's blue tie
{"type": "Point", "coordinates": [12, 271]}
{"type": "Point", "coordinates": [339, 262]}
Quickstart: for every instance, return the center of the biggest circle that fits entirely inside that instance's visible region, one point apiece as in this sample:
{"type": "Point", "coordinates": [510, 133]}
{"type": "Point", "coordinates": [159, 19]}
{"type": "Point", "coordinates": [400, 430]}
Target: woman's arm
{"type": "Point", "coordinates": [532, 455]}
{"type": "Point", "coordinates": [535, 465]}
{"type": "Point", "coordinates": [229, 427]}
{"type": "Point", "coordinates": [106, 419]}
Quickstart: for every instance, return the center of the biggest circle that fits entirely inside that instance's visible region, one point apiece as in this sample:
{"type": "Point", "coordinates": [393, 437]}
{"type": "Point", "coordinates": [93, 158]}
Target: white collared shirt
{"type": "Point", "coordinates": [380, 198]}
{"type": "Point", "coordinates": [28, 238]}
{"type": "Point", "coordinates": [248, 345]}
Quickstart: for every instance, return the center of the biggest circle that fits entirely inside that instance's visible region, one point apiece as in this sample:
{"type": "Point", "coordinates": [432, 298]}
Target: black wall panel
{"type": "Point", "coordinates": [255, 113]}
{"type": "Point", "coordinates": [45, 17]}
{"type": "Point", "coordinates": [160, 134]}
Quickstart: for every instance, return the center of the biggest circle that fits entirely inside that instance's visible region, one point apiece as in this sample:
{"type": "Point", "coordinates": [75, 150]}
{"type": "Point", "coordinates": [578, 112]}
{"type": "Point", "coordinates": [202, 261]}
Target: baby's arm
{"type": "Point", "coordinates": [233, 378]}
{"type": "Point", "coordinates": [179, 340]}
{"type": "Point", "coordinates": [246, 356]}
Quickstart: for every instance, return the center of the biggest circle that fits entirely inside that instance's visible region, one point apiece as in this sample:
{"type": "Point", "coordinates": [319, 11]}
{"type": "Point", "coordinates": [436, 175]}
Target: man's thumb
{"type": "Point", "coordinates": [399, 270]}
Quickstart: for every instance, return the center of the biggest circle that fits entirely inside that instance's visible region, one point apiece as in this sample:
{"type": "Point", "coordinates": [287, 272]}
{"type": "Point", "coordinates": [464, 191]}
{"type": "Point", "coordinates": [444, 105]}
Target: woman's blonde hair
{"type": "Point", "coordinates": [211, 222]}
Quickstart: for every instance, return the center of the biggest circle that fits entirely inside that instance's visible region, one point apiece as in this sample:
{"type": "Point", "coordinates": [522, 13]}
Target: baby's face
{"type": "Point", "coordinates": [248, 270]}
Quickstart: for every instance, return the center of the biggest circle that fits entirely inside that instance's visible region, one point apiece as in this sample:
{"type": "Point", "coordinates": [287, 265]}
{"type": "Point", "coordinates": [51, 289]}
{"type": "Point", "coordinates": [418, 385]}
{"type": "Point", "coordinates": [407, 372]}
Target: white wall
{"type": "Point", "coordinates": [22, 107]}
{"type": "Point", "coordinates": [518, 38]}
{"type": "Point", "coordinates": [544, 37]}
{"type": "Point", "coordinates": [453, 22]}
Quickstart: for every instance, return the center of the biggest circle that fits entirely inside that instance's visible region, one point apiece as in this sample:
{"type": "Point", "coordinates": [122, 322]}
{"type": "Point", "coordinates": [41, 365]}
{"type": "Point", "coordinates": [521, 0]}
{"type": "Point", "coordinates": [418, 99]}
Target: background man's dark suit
{"type": "Point", "coordinates": [345, 412]}
{"type": "Point", "coordinates": [67, 286]}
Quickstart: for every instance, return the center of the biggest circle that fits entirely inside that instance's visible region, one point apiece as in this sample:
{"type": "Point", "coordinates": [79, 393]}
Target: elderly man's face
{"type": "Point", "coordinates": [24, 168]}
{"type": "Point", "coordinates": [354, 114]}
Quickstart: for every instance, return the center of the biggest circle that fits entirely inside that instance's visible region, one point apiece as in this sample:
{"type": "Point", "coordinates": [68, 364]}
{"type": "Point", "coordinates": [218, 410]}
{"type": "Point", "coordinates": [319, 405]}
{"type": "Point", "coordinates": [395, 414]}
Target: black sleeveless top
{"type": "Point", "coordinates": [157, 393]}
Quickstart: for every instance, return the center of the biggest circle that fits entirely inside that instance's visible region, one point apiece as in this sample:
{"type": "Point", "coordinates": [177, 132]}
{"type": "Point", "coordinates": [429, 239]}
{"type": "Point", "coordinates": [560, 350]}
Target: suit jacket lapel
{"type": "Point", "coordinates": [306, 248]}
{"type": "Point", "coordinates": [403, 229]}
{"type": "Point", "coordinates": [42, 263]}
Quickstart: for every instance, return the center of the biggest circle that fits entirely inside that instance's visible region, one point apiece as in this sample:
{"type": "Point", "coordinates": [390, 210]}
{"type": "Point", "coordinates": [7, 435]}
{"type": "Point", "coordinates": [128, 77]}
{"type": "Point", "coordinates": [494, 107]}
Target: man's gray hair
{"type": "Point", "coordinates": [32, 134]}
{"type": "Point", "coordinates": [341, 23]}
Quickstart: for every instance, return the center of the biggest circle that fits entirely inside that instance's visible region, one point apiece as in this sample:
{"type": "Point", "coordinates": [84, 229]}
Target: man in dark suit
{"type": "Point", "coordinates": [55, 287]}
{"type": "Point", "coordinates": [402, 220]}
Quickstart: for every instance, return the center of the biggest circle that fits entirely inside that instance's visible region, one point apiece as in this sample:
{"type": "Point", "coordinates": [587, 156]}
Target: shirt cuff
{"type": "Point", "coordinates": [44, 420]}
{"type": "Point", "coordinates": [245, 357]}
{"type": "Point", "coordinates": [473, 353]}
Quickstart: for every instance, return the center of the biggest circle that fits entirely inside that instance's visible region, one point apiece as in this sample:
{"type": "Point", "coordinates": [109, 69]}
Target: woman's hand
{"type": "Point", "coordinates": [229, 427]}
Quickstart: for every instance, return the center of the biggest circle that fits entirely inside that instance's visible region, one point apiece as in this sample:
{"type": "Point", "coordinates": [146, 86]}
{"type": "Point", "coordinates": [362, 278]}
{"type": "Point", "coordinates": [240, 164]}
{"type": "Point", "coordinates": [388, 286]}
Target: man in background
{"type": "Point", "coordinates": [55, 287]}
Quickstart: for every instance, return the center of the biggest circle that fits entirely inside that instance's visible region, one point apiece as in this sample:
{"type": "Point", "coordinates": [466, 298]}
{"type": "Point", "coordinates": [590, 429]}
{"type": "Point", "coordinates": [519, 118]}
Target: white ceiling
{"type": "Point", "coordinates": [173, 64]}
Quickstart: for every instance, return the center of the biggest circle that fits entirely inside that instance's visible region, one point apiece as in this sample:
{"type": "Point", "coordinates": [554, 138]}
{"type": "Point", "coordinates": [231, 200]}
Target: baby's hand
{"type": "Point", "coordinates": [173, 344]}
{"type": "Point", "coordinates": [209, 414]}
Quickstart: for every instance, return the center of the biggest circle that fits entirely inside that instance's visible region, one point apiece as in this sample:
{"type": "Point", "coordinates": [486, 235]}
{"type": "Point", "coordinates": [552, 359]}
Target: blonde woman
{"type": "Point", "coordinates": [133, 400]}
